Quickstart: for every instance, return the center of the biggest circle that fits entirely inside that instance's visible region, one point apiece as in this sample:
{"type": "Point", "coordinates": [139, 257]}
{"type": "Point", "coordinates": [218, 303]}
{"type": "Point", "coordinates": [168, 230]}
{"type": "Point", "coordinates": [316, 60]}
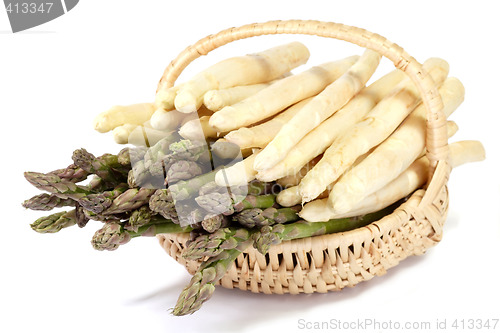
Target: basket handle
{"type": "Point", "coordinates": [436, 137]}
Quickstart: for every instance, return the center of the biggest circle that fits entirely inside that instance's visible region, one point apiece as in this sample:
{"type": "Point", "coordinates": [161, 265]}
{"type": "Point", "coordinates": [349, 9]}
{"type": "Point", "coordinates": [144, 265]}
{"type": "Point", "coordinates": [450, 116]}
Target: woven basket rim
{"type": "Point", "coordinates": [362, 234]}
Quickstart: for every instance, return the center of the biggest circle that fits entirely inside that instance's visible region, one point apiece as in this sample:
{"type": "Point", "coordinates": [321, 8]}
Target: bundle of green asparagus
{"type": "Point", "coordinates": [246, 154]}
{"type": "Point", "coordinates": [223, 221]}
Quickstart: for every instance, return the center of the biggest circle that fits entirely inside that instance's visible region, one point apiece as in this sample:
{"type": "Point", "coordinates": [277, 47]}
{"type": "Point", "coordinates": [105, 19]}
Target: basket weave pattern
{"type": "Point", "coordinates": [332, 262]}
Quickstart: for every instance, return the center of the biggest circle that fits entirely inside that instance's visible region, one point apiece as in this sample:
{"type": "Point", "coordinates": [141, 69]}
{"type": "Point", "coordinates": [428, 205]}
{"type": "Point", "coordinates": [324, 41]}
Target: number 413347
{"type": "Point", "coordinates": [475, 324]}
{"type": "Point", "coordinates": [29, 7]}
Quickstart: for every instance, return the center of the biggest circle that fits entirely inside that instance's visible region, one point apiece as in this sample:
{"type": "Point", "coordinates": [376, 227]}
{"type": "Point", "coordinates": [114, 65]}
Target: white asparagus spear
{"type": "Point", "coordinates": [240, 173]}
{"type": "Point", "coordinates": [197, 129]}
{"type": "Point", "coordinates": [376, 126]}
{"type": "Point", "coordinates": [322, 106]}
{"type": "Point", "coordinates": [215, 100]}
{"type": "Point", "coordinates": [294, 180]}
{"type": "Point", "coordinates": [393, 155]}
{"type": "Point", "coordinates": [278, 96]}
{"type": "Point", "coordinates": [466, 151]}
{"type": "Point", "coordinates": [228, 150]}
{"type": "Point", "coordinates": [164, 120]}
{"type": "Point", "coordinates": [410, 180]}
{"type": "Point", "coordinates": [164, 98]}
{"type": "Point", "coordinates": [123, 114]}
{"type": "Point", "coordinates": [250, 69]}
{"type": "Point", "coordinates": [257, 136]}
{"type": "Point", "coordinates": [147, 136]}
{"type": "Point", "coordinates": [291, 196]}
{"type": "Point", "coordinates": [320, 138]}
{"type": "Point", "coordinates": [260, 135]}
{"type": "Point", "coordinates": [169, 120]}
{"type": "Point", "coordinates": [202, 112]}
{"type": "Point", "coordinates": [243, 172]}
{"type": "Point", "coordinates": [138, 135]}
{"type": "Point", "coordinates": [122, 133]}
{"type": "Point", "coordinates": [451, 128]}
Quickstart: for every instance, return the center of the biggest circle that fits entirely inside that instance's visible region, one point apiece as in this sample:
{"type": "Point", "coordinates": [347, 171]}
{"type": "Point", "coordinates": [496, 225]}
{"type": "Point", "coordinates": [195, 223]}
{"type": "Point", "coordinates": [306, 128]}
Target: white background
{"type": "Point", "coordinates": [55, 78]}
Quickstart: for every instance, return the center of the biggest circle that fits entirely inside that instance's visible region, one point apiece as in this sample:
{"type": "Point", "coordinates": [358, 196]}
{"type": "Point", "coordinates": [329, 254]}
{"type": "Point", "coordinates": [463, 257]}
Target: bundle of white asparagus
{"type": "Point", "coordinates": [341, 145]}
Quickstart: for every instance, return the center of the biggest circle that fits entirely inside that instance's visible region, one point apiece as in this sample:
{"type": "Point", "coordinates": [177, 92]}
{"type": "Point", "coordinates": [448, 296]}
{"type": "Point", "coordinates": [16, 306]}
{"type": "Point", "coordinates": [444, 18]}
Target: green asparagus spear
{"type": "Point", "coordinates": [211, 223]}
{"type": "Point", "coordinates": [131, 181]}
{"type": "Point", "coordinates": [275, 234]}
{"type": "Point", "coordinates": [139, 218]}
{"type": "Point", "coordinates": [113, 234]}
{"type": "Point", "coordinates": [97, 184]}
{"type": "Point", "coordinates": [152, 177]}
{"type": "Point", "coordinates": [136, 154]}
{"type": "Point", "coordinates": [81, 218]}
{"type": "Point", "coordinates": [110, 237]}
{"type": "Point", "coordinates": [211, 187]}
{"type": "Point", "coordinates": [98, 202]}
{"type": "Point", "coordinates": [182, 170]}
{"type": "Point", "coordinates": [129, 200]}
{"type": "Point", "coordinates": [184, 212]}
{"type": "Point", "coordinates": [123, 157]}
{"type": "Point", "coordinates": [46, 202]}
{"type": "Point", "coordinates": [147, 175]}
{"type": "Point", "coordinates": [230, 237]}
{"type": "Point", "coordinates": [160, 149]}
{"type": "Point", "coordinates": [161, 202]}
{"type": "Point", "coordinates": [216, 203]}
{"type": "Point", "coordinates": [57, 186]}
{"type": "Point", "coordinates": [190, 150]}
{"type": "Point", "coordinates": [253, 188]}
{"type": "Point", "coordinates": [55, 222]}
{"type": "Point", "coordinates": [163, 160]}
{"type": "Point", "coordinates": [215, 243]}
{"type": "Point", "coordinates": [190, 214]}
{"type": "Point", "coordinates": [251, 201]}
{"type": "Point", "coordinates": [256, 217]}
{"type": "Point", "coordinates": [202, 284]}
{"type": "Point", "coordinates": [256, 187]}
{"type": "Point", "coordinates": [83, 159]}
{"type": "Point", "coordinates": [104, 218]}
{"type": "Point", "coordinates": [106, 166]}
{"type": "Point", "coordinates": [223, 203]}
{"type": "Point", "coordinates": [156, 227]}
{"type": "Point", "coordinates": [157, 160]}
{"type": "Point", "coordinates": [185, 189]}
{"type": "Point", "coordinates": [71, 173]}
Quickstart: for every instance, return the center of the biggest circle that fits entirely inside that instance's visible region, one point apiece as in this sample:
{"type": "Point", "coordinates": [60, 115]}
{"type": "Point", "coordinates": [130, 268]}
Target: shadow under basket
{"type": "Point", "coordinates": [334, 261]}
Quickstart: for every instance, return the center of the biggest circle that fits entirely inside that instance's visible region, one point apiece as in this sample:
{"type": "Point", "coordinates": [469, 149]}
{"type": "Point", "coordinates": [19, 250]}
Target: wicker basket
{"type": "Point", "coordinates": [332, 262]}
